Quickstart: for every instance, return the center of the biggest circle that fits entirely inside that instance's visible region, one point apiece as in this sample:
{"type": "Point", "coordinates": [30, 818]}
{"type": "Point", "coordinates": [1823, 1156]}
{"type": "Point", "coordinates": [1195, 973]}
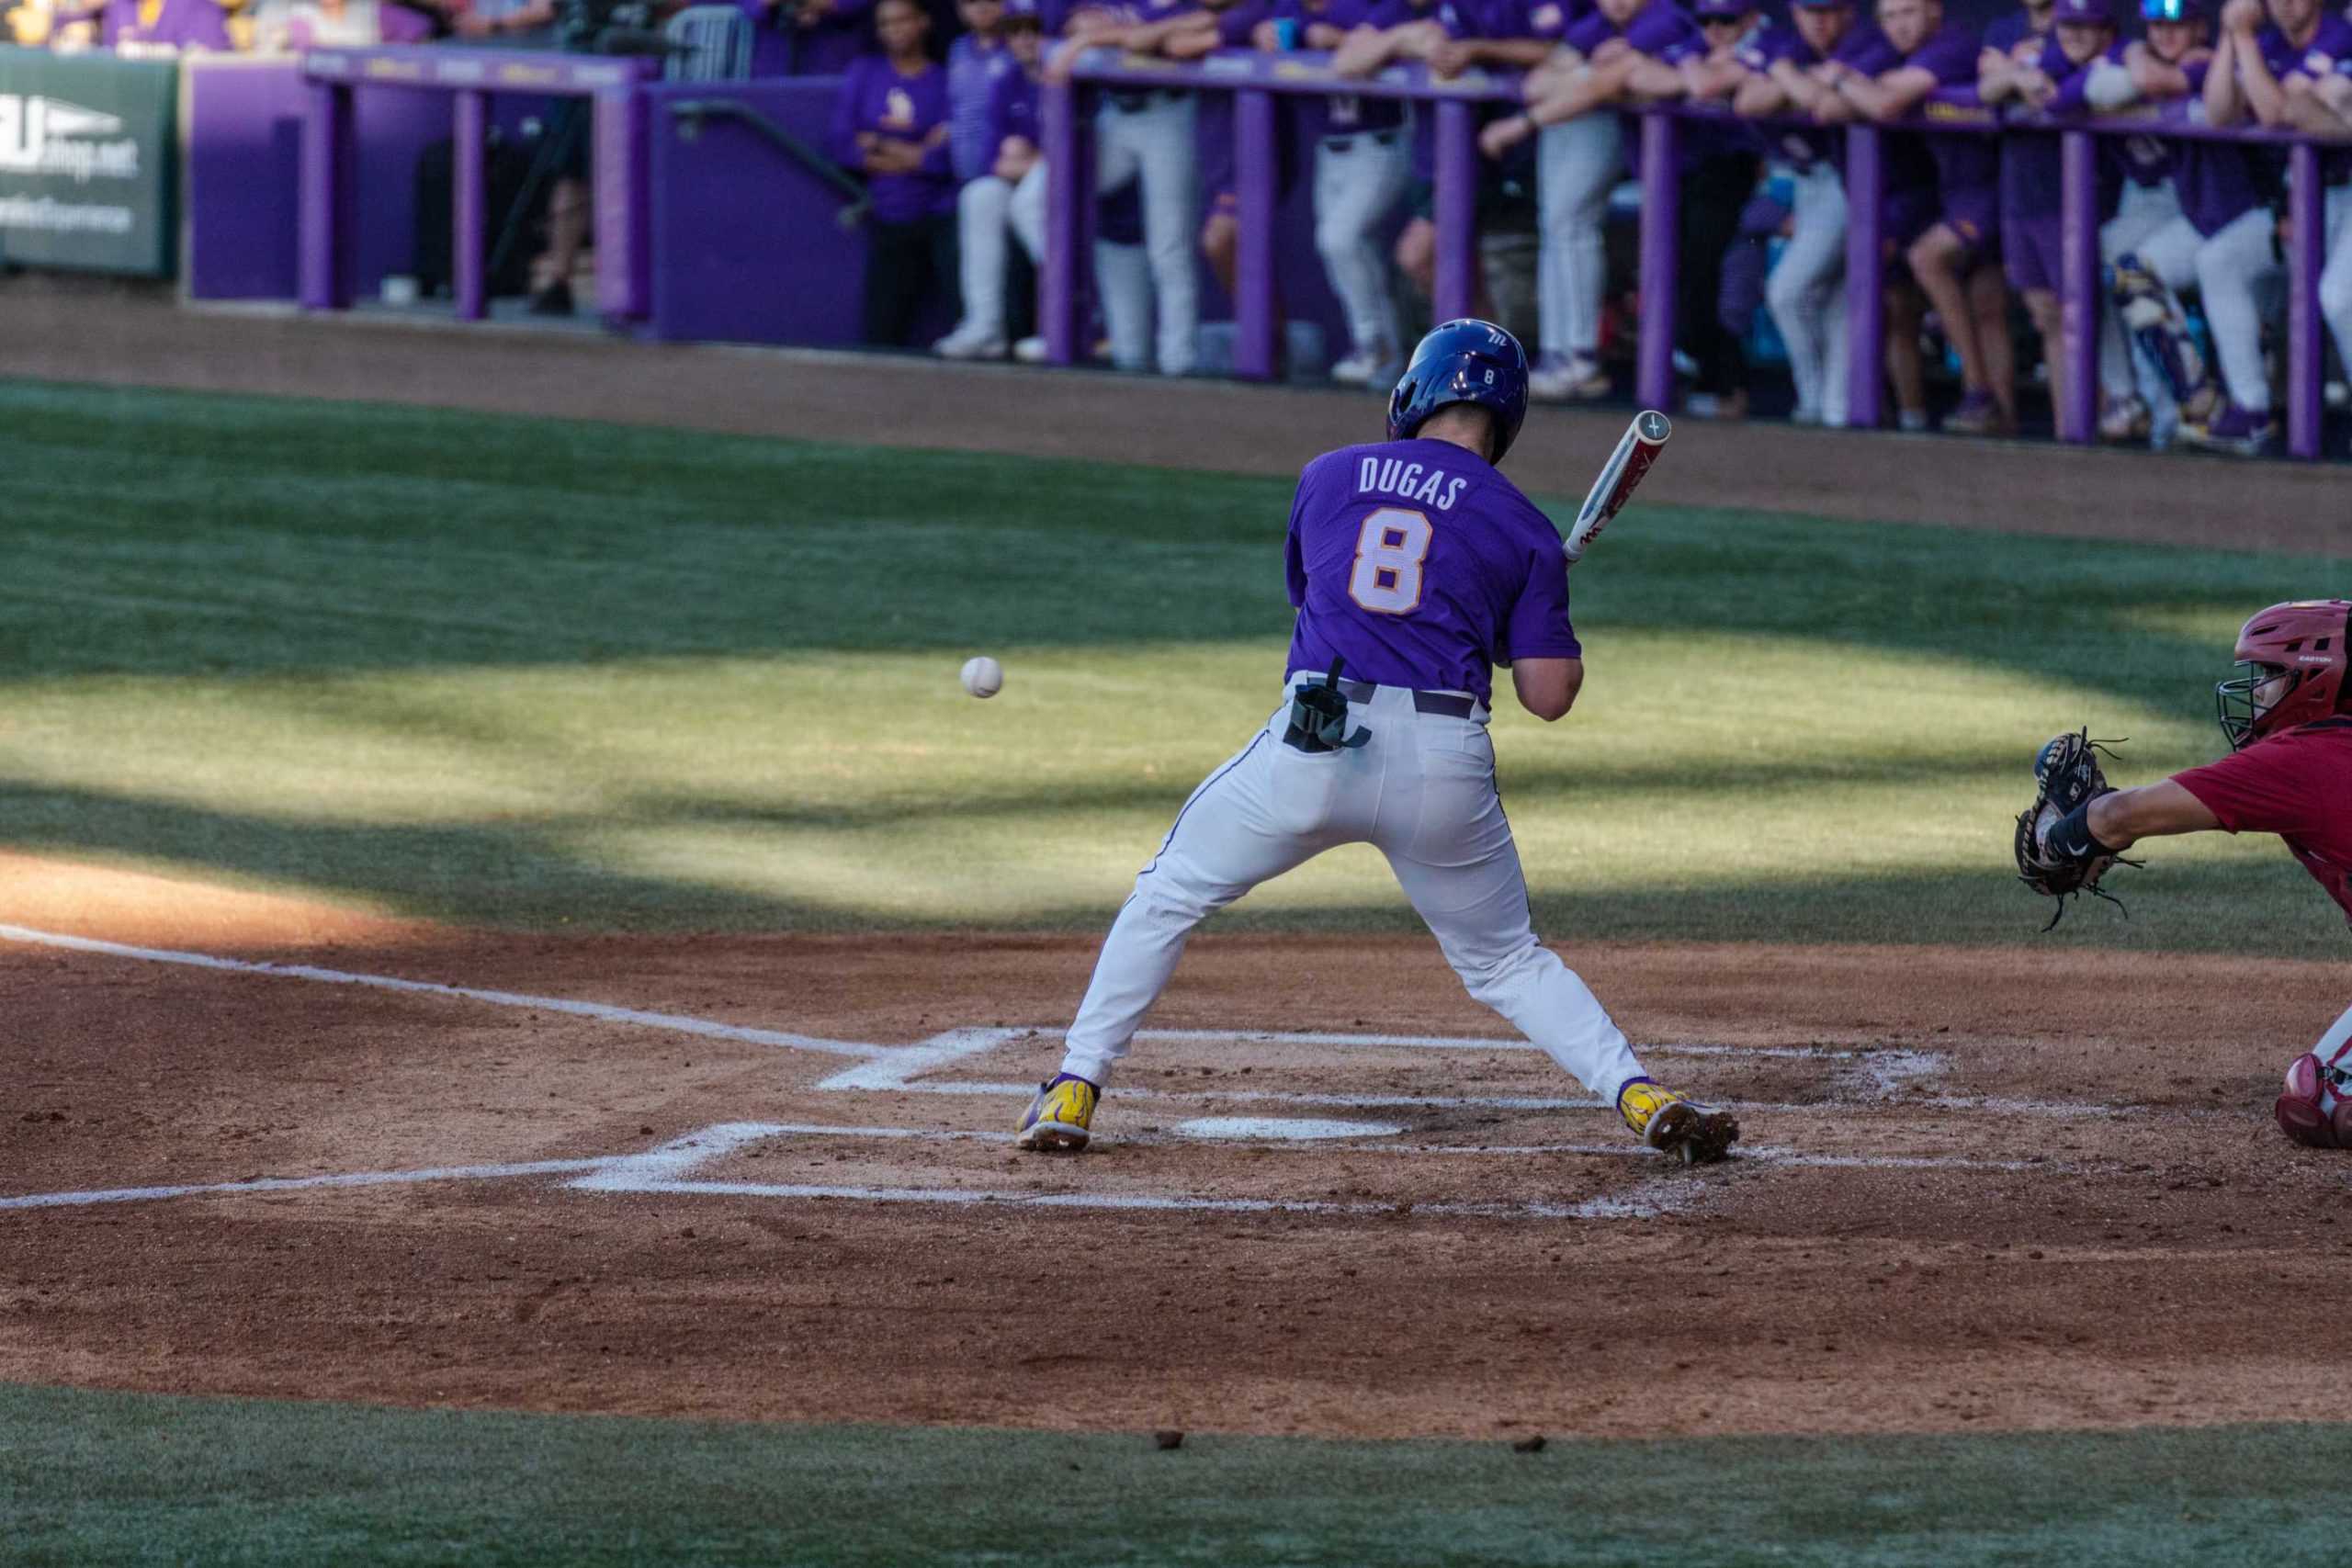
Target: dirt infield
{"type": "Point", "coordinates": [2006, 1188]}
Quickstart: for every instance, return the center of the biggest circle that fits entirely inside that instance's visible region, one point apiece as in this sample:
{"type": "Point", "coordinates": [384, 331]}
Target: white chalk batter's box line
{"type": "Point", "coordinates": [668, 1170]}
{"type": "Point", "coordinates": [900, 1069]}
{"type": "Point", "coordinates": [1891, 1072]}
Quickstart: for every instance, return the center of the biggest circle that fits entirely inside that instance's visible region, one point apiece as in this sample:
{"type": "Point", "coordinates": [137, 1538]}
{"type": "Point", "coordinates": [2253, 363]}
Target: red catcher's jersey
{"type": "Point", "coordinates": [2296, 783]}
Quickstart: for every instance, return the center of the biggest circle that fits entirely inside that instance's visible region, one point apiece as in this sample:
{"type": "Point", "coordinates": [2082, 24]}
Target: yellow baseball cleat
{"type": "Point", "coordinates": [1057, 1117]}
{"type": "Point", "coordinates": [1675, 1123]}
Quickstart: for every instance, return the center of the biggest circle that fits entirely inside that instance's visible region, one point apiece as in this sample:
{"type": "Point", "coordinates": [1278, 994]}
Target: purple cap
{"type": "Point", "coordinates": [2085, 13]}
{"type": "Point", "coordinates": [1018, 10]}
{"type": "Point", "coordinates": [1713, 10]}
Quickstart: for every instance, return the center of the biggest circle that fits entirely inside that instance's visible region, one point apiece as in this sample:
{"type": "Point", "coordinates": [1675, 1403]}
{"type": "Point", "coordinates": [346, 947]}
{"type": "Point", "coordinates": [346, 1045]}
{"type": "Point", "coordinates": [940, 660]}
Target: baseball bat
{"type": "Point", "coordinates": [1644, 438]}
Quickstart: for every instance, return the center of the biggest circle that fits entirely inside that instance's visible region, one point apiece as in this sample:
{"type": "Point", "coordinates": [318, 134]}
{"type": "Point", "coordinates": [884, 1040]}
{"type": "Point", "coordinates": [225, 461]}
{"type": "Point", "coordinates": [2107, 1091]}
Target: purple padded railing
{"type": "Point", "coordinates": [1252, 77]}
{"type": "Point", "coordinates": [624, 288]}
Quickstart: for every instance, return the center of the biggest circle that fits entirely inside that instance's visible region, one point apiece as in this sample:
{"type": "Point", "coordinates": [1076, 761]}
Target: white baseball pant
{"type": "Point", "coordinates": [2140, 212]}
{"type": "Point", "coordinates": [2336, 279]}
{"type": "Point", "coordinates": [1026, 211]}
{"type": "Point", "coordinates": [1806, 293]}
{"type": "Point", "coordinates": [983, 213]}
{"type": "Point", "coordinates": [1154, 142]}
{"type": "Point", "coordinates": [1578, 163]}
{"type": "Point", "coordinates": [1122, 275]}
{"type": "Point", "coordinates": [2229, 270]}
{"type": "Point", "coordinates": [1422, 791]}
{"type": "Point", "coordinates": [1358, 180]}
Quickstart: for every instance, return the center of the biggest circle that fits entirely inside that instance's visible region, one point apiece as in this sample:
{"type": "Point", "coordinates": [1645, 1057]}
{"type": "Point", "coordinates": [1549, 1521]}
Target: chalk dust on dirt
{"type": "Point", "coordinates": [1982, 1288]}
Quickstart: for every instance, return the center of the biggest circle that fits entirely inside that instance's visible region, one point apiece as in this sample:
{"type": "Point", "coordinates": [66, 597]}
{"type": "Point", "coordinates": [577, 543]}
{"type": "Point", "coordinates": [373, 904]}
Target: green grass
{"type": "Point", "coordinates": [143, 1479]}
{"type": "Point", "coordinates": [542, 674]}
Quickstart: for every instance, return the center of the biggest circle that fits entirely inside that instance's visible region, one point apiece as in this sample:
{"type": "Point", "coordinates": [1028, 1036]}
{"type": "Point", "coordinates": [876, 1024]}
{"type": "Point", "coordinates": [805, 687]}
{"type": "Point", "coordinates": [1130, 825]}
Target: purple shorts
{"type": "Point", "coordinates": [2029, 253]}
{"type": "Point", "coordinates": [1975, 217]}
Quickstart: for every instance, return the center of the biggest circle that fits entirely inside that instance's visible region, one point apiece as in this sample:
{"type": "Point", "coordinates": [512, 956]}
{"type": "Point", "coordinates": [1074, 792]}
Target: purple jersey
{"type": "Point", "coordinates": [1657, 30]}
{"type": "Point", "coordinates": [1863, 49]}
{"type": "Point", "coordinates": [2030, 168]}
{"type": "Point", "coordinates": [2217, 182]}
{"type": "Point", "coordinates": [2330, 43]}
{"type": "Point", "coordinates": [1013, 111]}
{"type": "Point", "coordinates": [1967, 167]}
{"type": "Point", "coordinates": [874, 97]}
{"type": "Point", "coordinates": [975, 66]}
{"type": "Point", "coordinates": [2006, 31]}
{"type": "Point", "coordinates": [176, 24]}
{"type": "Point", "coordinates": [1346, 114]}
{"type": "Point", "coordinates": [1423, 567]}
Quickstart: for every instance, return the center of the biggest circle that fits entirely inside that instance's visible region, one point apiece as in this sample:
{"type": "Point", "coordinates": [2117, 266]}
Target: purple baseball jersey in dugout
{"type": "Point", "coordinates": [1013, 111]}
{"type": "Point", "coordinates": [1864, 49]}
{"type": "Point", "coordinates": [1423, 567]}
{"type": "Point", "coordinates": [2330, 43]}
{"type": "Point", "coordinates": [178, 24]}
{"type": "Point", "coordinates": [875, 96]}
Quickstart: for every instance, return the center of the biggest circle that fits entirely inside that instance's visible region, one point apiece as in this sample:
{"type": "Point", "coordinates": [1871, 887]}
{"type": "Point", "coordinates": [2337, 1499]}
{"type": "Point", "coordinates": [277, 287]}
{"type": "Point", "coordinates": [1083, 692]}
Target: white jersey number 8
{"type": "Point", "coordinates": [1390, 548]}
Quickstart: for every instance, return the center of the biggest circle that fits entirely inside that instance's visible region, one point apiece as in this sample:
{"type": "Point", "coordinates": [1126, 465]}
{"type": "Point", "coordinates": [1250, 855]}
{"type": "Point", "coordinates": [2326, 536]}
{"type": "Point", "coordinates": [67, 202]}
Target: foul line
{"type": "Point", "coordinates": [294, 1183]}
{"type": "Point", "coordinates": [675, 1023]}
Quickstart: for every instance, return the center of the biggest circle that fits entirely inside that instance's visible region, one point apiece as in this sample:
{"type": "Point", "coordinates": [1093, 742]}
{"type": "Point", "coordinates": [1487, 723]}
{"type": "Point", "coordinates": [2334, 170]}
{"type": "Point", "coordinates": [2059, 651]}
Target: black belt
{"type": "Point", "coordinates": [1444, 703]}
{"type": "Point", "coordinates": [1342, 143]}
{"type": "Point", "coordinates": [1144, 99]}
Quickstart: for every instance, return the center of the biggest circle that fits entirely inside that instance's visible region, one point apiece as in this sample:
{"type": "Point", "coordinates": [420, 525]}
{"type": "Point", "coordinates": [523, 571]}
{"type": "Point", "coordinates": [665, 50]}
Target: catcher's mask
{"type": "Point", "coordinates": [2290, 659]}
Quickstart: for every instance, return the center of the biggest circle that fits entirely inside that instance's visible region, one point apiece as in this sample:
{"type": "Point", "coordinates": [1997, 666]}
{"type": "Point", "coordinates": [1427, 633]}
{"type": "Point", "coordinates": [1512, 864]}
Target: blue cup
{"type": "Point", "coordinates": [1287, 32]}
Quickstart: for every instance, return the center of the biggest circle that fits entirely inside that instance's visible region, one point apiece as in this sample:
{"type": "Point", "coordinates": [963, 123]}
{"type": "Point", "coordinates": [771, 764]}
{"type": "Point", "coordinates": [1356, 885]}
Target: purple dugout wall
{"type": "Point", "coordinates": [703, 259]}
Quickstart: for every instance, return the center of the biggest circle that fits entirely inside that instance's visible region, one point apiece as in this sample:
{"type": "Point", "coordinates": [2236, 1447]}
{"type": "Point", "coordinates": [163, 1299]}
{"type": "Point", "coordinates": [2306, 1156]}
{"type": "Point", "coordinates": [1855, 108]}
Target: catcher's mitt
{"type": "Point", "coordinates": [2067, 777]}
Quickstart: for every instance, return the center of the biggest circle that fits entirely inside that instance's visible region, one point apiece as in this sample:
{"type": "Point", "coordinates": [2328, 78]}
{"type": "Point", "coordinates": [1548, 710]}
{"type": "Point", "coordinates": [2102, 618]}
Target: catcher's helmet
{"type": "Point", "coordinates": [2291, 660]}
{"type": "Point", "coordinates": [1462, 362]}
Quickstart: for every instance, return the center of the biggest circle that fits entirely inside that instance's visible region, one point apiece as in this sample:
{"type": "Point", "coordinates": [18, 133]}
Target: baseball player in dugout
{"type": "Point", "coordinates": [1416, 568]}
{"type": "Point", "coordinates": [2288, 773]}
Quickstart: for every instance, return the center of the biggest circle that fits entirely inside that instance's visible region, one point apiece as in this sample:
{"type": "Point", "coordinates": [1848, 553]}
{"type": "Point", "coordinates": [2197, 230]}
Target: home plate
{"type": "Point", "coordinates": [1292, 1128]}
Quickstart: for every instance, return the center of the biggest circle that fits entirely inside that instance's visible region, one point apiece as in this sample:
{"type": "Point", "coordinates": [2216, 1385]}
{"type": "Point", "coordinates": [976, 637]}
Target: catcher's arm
{"type": "Point", "coordinates": [2122, 817]}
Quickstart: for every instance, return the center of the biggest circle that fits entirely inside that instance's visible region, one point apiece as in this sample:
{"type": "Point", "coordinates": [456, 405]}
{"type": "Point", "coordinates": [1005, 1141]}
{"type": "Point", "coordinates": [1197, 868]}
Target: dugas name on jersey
{"type": "Point", "coordinates": [1410, 481]}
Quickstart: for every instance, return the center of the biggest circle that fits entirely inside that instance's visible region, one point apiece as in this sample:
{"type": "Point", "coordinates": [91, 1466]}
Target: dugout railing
{"type": "Point", "coordinates": [1253, 78]}
{"type": "Point", "coordinates": [325, 207]}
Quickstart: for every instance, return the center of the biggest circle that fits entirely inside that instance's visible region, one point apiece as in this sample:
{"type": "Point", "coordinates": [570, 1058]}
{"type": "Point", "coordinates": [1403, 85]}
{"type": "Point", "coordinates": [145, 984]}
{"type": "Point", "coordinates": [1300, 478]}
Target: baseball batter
{"type": "Point", "coordinates": [2288, 773]}
{"type": "Point", "coordinates": [1415, 568]}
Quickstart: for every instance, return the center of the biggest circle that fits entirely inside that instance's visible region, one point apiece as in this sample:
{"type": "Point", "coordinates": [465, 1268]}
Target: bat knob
{"type": "Point", "coordinates": [1653, 425]}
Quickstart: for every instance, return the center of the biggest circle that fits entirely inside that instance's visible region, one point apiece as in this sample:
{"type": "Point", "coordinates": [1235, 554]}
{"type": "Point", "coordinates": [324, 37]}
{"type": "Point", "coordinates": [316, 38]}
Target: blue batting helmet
{"type": "Point", "coordinates": [1463, 362]}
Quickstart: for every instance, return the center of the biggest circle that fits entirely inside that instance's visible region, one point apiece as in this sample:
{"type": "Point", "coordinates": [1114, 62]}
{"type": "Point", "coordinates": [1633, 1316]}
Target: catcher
{"type": "Point", "coordinates": [2288, 773]}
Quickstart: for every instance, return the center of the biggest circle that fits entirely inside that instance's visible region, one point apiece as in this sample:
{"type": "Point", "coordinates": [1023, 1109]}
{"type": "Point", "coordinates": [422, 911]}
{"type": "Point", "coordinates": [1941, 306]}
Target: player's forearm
{"type": "Point", "coordinates": [2307, 111]}
{"type": "Point", "coordinates": [1876, 100]}
{"type": "Point", "coordinates": [1713, 77]}
{"type": "Point", "coordinates": [2225, 105]}
{"type": "Point", "coordinates": [1761, 95]}
{"type": "Point", "coordinates": [2122, 819]}
{"type": "Point", "coordinates": [1520, 53]}
{"type": "Point", "coordinates": [2265, 94]}
{"type": "Point", "coordinates": [1654, 81]}
{"type": "Point", "coordinates": [1598, 86]}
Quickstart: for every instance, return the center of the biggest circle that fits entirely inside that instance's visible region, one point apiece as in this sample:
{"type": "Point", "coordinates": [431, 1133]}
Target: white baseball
{"type": "Point", "coordinates": [983, 676]}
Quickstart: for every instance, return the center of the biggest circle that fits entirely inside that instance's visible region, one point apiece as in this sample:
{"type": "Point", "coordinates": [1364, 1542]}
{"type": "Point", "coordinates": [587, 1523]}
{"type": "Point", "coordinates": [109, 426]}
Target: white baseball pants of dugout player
{"type": "Point", "coordinates": [2140, 212]}
{"type": "Point", "coordinates": [983, 215]}
{"type": "Point", "coordinates": [2230, 269]}
{"type": "Point", "coordinates": [2335, 277]}
{"type": "Point", "coordinates": [1148, 135]}
{"type": "Point", "coordinates": [1359, 179]}
{"type": "Point", "coordinates": [1577, 163]}
{"type": "Point", "coordinates": [1422, 791]}
{"type": "Point", "coordinates": [1122, 274]}
{"type": "Point", "coordinates": [1806, 293]}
